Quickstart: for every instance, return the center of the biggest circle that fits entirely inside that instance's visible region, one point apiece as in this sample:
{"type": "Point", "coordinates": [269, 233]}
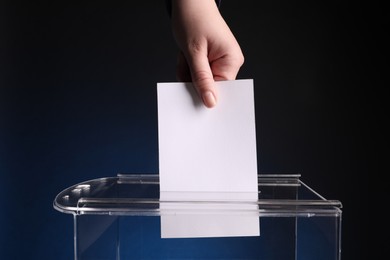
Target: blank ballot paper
{"type": "Point", "coordinates": [207, 154]}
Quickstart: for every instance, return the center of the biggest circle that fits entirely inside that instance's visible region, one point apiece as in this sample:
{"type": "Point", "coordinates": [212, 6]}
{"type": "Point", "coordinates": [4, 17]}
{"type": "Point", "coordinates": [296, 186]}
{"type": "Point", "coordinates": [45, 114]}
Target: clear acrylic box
{"type": "Point", "coordinates": [120, 218]}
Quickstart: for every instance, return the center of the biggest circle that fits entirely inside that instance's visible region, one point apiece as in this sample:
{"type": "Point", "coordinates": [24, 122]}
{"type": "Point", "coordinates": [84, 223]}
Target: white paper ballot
{"type": "Point", "coordinates": [186, 214]}
{"type": "Point", "coordinates": [204, 152]}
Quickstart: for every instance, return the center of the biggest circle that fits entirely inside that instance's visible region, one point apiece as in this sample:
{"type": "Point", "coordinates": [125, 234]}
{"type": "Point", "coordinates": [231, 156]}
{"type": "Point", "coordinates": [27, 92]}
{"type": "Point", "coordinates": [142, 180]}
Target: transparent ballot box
{"type": "Point", "coordinates": [127, 217]}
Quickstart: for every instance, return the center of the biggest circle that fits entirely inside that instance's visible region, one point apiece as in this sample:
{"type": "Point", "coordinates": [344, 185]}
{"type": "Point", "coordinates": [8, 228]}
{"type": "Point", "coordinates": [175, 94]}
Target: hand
{"type": "Point", "coordinates": [208, 49]}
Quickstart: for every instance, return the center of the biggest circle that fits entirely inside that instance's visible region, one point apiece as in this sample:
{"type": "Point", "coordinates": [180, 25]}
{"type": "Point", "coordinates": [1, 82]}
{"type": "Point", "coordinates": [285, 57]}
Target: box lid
{"type": "Point", "coordinates": [279, 195]}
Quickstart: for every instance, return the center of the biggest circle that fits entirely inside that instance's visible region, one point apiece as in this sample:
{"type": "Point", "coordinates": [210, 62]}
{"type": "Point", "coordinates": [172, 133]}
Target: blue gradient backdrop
{"type": "Point", "coordinates": [78, 102]}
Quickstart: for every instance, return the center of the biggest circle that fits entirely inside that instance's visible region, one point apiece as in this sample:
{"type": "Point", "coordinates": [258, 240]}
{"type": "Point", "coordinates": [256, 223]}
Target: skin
{"type": "Point", "coordinates": [208, 49]}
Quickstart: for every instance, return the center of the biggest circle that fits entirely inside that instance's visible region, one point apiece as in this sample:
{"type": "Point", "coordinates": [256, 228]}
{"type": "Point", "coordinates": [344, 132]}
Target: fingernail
{"type": "Point", "coordinates": [209, 99]}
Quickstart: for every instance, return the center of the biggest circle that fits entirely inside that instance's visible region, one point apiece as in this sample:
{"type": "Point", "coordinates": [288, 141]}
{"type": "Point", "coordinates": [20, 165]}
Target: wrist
{"type": "Point", "coordinates": [168, 4]}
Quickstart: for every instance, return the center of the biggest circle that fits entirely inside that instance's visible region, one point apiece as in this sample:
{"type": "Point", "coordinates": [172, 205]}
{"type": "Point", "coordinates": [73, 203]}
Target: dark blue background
{"type": "Point", "coordinates": [78, 102]}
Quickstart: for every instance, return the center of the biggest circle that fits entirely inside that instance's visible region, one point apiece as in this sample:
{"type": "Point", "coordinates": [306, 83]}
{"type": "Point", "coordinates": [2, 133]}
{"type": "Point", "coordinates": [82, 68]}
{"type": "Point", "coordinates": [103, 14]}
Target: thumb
{"type": "Point", "coordinates": [202, 79]}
